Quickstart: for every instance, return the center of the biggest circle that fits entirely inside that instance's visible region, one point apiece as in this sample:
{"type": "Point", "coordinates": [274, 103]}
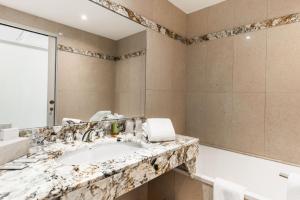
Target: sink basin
{"type": "Point", "coordinates": [99, 153]}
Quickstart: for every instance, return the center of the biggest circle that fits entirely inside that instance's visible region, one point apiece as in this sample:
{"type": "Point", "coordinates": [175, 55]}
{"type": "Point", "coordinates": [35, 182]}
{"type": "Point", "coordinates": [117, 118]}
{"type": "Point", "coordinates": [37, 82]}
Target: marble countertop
{"type": "Point", "coordinates": [47, 178]}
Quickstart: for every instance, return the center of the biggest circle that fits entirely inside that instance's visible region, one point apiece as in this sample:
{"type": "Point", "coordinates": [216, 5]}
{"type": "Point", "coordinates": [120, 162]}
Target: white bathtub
{"type": "Point", "coordinates": [259, 176]}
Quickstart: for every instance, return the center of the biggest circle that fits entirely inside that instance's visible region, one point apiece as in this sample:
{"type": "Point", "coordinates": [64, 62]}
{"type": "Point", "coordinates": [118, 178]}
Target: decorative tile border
{"type": "Point", "coordinates": [103, 56]}
{"type": "Point", "coordinates": [85, 52]}
{"type": "Point", "coordinates": [132, 55]}
{"type": "Point", "coordinates": [125, 12]}
{"type": "Point", "coordinates": [269, 23]}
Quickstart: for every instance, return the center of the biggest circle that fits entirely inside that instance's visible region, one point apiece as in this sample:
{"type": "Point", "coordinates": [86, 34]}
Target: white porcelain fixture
{"type": "Point", "coordinates": [9, 134]}
{"type": "Point", "coordinates": [259, 176]}
{"type": "Point", "coordinates": [13, 149]}
{"type": "Point", "coordinates": [99, 153]}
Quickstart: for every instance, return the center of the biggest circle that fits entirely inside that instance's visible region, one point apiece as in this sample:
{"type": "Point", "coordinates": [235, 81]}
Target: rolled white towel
{"type": "Point", "coordinates": [293, 187]}
{"type": "Point", "coordinates": [159, 130]}
{"type": "Point", "coordinates": [67, 121]}
{"type": "Point", "coordinates": [9, 134]}
{"type": "Point", "coordinates": [225, 190]}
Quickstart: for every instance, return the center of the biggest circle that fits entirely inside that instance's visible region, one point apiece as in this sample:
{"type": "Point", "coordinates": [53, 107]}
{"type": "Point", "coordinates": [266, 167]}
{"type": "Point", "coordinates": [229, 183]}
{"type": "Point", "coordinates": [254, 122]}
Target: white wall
{"type": "Point", "coordinates": [23, 82]}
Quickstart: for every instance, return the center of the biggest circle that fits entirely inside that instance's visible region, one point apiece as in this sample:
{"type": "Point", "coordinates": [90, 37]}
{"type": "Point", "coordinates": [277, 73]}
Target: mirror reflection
{"type": "Point", "coordinates": [53, 77]}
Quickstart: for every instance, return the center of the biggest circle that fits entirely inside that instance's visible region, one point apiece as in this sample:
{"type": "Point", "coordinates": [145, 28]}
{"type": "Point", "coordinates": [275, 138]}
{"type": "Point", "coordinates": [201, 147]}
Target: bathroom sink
{"type": "Point", "coordinates": [99, 153]}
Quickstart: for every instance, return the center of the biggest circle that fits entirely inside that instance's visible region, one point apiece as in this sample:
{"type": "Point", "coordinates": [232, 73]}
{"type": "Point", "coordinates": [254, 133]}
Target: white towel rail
{"type": "Point", "coordinates": [210, 181]}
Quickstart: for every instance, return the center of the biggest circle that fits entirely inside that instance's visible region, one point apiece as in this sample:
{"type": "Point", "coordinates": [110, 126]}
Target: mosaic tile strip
{"type": "Point", "coordinates": [132, 55]}
{"type": "Point", "coordinates": [86, 52]}
{"type": "Point", "coordinates": [125, 12]}
{"type": "Point", "coordinates": [269, 23]}
{"type": "Point", "coordinates": [100, 55]}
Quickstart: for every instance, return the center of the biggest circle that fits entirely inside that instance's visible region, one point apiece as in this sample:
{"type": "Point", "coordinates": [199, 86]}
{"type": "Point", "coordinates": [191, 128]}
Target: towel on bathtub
{"type": "Point", "coordinates": [225, 190]}
{"type": "Point", "coordinates": [293, 187]}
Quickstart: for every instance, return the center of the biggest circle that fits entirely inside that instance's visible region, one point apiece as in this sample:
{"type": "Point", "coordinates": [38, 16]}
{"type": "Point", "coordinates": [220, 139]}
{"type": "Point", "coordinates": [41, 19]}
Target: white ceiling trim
{"type": "Point", "coordinates": [99, 20]}
{"type": "Point", "coordinates": [190, 6]}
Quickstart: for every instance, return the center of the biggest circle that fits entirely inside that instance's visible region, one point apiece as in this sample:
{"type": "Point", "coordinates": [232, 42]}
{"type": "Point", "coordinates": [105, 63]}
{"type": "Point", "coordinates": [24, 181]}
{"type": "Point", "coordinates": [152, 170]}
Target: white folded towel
{"type": "Point", "coordinates": [293, 187]}
{"type": "Point", "coordinates": [9, 134]}
{"type": "Point", "coordinates": [159, 129]}
{"type": "Point", "coordinates": [67, 121]}
{"type": "Point", "coordinates": [225, 190]}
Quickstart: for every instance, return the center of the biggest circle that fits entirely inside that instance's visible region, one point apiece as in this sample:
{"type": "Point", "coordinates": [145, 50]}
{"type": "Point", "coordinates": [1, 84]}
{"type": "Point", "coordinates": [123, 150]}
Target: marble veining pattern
{"type": "Point", "coordinates": [72, 132]}
{"type": "Point", "coordinates": [102, 56]}
{"type": "Point", "coordinates": [49, 179]}
{"type": "Point", "coordinates": [125, 12]}
{"type": "Point", "coordinates": [269, 23]}
{"type": "Point", "coordinates": [132, 55]}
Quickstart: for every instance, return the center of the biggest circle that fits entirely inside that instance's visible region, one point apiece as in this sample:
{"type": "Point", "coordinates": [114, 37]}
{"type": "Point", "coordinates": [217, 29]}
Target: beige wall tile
{"type": "Point", "coordinates": [166, 63]}
{"type": "Point", "coordinates": [278, 8]}
{"type": "Point", "coordinates": [85, 85]}
{"type": "Point", "coordinates": [178, 70]}
{"type": "Point", "coordinates": [164, 13]}
{"type": "Point", "coordinates": [282, 127]}
{"type": "Point", "coordinates": [139, 193]}
{"type": "Point", "coordinates": [158, 103]}
{"type": "Point", "coordinates": [218, 72]}
{"type": "Point", "coordinates": [249, 67]}
{"type": "Point", "coordinates": [187, 188]}
{"type": "Point", "coordinates": [90, 102]}
{"type": "Point", "coordinates": [197, 23]}
{"type": "Point", "coordinates": [249, 11]}
{"type": "Point", "coordinates": [132, 43]}
{"type": "Point", "coordinates": [169, 104]}
{"type": "Point", "coordinates": [196, 64]}
{"type": "Point", "coordinates": [196, 55]}
{"type": "Point", "coordinates": [63, 107]}
{"type": "Point", "coordinates": [159, 61]}
{"type": "Point", "coordinates": [248, 121]}
{"type": "Point", "coordinates": [178, 111]}
{"type": "Point", "coordinates": [220, 16]}
{"type": "Point", "coordinates": [196, 79]}
{"type": "Point", "coordinates": [195, 114]}
{"type": "Point", "coordinates": [217, 119]}
{"type": "Point", "coordinates": [283, 59]}
{"type": "Point", "coordinates": [162, 188]}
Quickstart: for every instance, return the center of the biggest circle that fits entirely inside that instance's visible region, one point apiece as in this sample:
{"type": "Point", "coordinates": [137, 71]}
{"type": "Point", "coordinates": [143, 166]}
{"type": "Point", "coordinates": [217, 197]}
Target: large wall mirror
{"type": "Point", "coordinates": [46, 78]}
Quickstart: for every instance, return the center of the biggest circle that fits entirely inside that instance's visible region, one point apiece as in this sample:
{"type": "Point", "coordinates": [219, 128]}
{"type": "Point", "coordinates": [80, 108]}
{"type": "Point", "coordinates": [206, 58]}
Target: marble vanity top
{"type": "Point", "coordinates": [46, 178]}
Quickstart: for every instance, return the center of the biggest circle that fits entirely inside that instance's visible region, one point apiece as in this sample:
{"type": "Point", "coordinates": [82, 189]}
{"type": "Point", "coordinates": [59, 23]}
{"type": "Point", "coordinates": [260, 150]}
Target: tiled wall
{"type": "Point", "coordinates": [243, 94]}
{"type": "Point", "coordinates": [165, 79]}
{"type": "Point", "coordinates": [160, 11]}
{"type": "Point", "coordinates": [130, 77]}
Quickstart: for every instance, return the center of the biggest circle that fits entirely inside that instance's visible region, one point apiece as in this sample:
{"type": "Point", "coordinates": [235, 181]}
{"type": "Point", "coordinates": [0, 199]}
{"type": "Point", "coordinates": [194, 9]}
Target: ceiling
{"type": "Point", "coordinates": [99, 20]}
{"type": "Point", "coordinates": [189, 6]}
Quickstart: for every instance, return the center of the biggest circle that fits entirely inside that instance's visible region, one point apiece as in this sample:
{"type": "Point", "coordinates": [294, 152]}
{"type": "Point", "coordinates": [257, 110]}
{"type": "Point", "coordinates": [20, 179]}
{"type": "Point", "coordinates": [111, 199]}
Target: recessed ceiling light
{"type": "Point", "coordinates": [84, 17]}
{"type": "Point", "coordinates": [248, 37]}
{"type": "Point", "coordinates": [60, 34]}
